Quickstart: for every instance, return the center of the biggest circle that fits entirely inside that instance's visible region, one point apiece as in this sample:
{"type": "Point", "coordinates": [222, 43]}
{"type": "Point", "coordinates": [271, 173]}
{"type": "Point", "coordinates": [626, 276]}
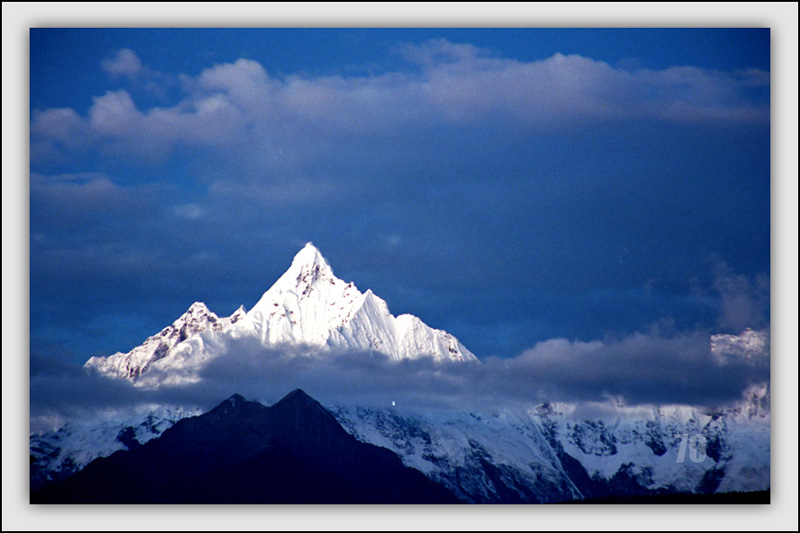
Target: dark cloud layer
{"type": "Point", "coordinates": [644, 368]}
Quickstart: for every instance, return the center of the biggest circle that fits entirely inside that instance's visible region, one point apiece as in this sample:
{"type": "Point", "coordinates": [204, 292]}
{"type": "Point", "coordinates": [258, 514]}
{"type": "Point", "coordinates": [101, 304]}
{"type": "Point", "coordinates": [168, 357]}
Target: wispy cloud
{"type": "Point", "coordinates": [743, 302]}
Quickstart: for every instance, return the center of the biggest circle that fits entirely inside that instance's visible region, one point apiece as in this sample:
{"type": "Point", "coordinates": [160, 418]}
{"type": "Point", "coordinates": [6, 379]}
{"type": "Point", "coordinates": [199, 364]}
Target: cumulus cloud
{"type": "Point", "coordinates": [116, 123]}
{"type": "Point", "coordinates": [438, 51]}
{"type": "Point", "coordinates": [461, 84]}
{"type": "Point", "coordinates": [647, 367]}
{"type": "Point", "coordinates": [59, 124]}
{"type": "Point", "coordinates": [124, 63]}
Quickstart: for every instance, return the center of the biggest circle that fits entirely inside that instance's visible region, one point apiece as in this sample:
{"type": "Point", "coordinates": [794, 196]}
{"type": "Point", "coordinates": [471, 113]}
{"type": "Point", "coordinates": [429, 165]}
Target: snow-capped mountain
{"type": "Point", "coordinates": [542, 453]}
{"type": "Point", "coordinates": [534, 453]}
{"type": "Point", "coordinates": [308, 307]}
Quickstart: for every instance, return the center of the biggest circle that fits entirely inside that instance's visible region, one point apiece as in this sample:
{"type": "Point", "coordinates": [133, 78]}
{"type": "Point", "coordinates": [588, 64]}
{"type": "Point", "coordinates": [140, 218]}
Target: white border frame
{"type": "Point", "coordinates": [780, 17]}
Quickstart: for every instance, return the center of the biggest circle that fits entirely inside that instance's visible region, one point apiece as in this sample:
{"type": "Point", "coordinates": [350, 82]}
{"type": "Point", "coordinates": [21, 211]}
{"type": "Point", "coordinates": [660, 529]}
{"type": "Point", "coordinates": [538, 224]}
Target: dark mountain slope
{"type": "Point", "coordinates": [244, 452]}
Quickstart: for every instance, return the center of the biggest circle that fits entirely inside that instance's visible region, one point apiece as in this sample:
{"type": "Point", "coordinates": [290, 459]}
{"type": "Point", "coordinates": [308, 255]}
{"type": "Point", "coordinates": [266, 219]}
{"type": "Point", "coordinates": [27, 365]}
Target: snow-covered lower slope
{"type": "Point", "coordinates": [541, 453]}
{"type": "Point", "coordinates": [481, 458]}
{"type": "Point", "coordinates": [551, 453]}
{"type": "Point", "coordinates": [60, 453]}
{"type": "Point", "coordinates": [307, 308]}
{"type": "Point", "coordinates": [668, 448]}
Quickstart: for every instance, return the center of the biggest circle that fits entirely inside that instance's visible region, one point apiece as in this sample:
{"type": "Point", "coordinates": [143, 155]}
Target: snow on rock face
{"type": "Point", "coordinates": [310, 305]}
{"type": "Point", "coordinates": [534, 453]}
{"type": "Point", "coordinates": [60, 453]}
{"type": "Point", "coordinates": [197, 319]}
{"type": "Point", "coordinates": [307, 306]}
{"type": "Point", "coordinates": [551, 452]}
{"type": "Point", "coordinates": [305, 303]}
{"type": "Point", "coordinates": [482, 458]}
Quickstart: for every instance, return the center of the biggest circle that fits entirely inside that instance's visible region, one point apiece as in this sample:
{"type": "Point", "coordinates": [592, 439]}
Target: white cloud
{"type": "Point", "coordinates": [126, 66]}
{"type": "Point", "coordinates": [239, 104]}
{"type": "Point", "coordinates": [438, 51]}
{"type": "Point", "coordinates": [113, 114]}
{"type": "Point", "coordinates": [245, 82]}
{"type": "Point", "coordinates": [125, 63]}
{"type": "Point", "coordinates": [57, 124]}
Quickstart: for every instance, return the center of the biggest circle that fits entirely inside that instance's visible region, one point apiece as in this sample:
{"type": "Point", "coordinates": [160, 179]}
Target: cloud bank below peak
{"type": "Point", "coordinates": [642, 369]}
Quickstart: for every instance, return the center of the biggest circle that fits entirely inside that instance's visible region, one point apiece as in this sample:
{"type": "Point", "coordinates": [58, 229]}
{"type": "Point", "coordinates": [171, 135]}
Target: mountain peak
{"type": "Point", "coordinates": [309, 265]}
{"type": "Point", "coordinates": [298, 399]}
{"type": "Point", "coordinates": [197, 306]}
{"type": "Point", "coordinates": [234, 404]}
{"type": "Point", "coordinates": [297, 395]}
{"type": "Point", "coordinates": [197, 320]}
{"type": "Point", "coordinates": [196, 310]}
{"type": "Point", "coordinates": [236, 399]}
{"type": "Point", "coordinates": [308, 268]}
{"type": "Point", "coordinates": [309, 250]}
{"type": "Point", "coordinates": [309, 255]}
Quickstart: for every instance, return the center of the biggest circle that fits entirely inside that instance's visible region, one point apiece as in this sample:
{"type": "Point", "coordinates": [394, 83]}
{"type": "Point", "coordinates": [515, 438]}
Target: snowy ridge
{"type": "Point", "coordinates": [197, 319]}
{"type": "Point", "coordinates": [551, 452]}
{"type": "Point", "coordinates": [60, 453]}
{"type": "Point", "coordinates": [308, 307]}
{"type": "Point", "coordinates": [539, 453]}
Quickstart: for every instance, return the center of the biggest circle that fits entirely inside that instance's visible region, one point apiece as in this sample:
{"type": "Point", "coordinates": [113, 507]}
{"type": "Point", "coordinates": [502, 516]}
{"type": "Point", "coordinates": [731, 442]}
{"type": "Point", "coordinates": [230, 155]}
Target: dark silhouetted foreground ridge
{"type": "Point", "coordinates": [244, 452]}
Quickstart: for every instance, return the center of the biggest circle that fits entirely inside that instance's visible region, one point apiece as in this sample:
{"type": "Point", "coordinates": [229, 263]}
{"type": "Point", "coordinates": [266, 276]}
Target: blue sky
{"type": "Point", "coordinates": [509, 186]}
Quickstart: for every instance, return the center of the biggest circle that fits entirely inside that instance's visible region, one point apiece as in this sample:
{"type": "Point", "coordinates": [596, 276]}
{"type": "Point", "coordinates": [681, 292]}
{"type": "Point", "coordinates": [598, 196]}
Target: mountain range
{"type": "Point", "coordinates": [251, 452]}
{"type": "Point", "coordinates": [298, 451]}
{"type": "Point", "coordinates": [244, 452]}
